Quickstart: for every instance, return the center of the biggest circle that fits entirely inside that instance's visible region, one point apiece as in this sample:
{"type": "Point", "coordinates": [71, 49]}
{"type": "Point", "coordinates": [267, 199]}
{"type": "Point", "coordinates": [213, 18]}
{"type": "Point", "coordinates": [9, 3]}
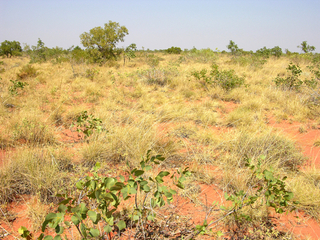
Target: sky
{"type": "Point", "coordinates": [155, 24]}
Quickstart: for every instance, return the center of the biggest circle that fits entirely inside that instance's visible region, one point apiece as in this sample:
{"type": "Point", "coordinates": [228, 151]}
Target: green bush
{"type": "Point", "coordinates": [293, 82]}
{"type": "Point", "coordinates": [174, 50]}
{"type": "Point", "coordinates": [226, 79]}
{"type": "Point", "coordinates": [10, 48]}
{"type": "Point", "coordinates": [95, 209]}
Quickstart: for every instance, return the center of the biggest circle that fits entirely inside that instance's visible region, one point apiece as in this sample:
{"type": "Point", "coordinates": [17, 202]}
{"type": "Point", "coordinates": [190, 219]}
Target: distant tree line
{"type": "Point", "coordinates": [100, 46]}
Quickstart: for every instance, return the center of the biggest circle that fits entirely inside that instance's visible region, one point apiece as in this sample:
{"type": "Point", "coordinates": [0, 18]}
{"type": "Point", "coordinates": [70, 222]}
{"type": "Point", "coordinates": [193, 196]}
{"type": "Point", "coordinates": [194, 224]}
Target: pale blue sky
{"type": "Point", "coordinates": [154, 24]}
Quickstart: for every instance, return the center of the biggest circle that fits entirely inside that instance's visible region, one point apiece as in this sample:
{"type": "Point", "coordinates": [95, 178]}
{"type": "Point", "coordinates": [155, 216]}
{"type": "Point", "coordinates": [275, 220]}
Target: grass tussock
{"type": "Point", "coordinates": [32, 171]}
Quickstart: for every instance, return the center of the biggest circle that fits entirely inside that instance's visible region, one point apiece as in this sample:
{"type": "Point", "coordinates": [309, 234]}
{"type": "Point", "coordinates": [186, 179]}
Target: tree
{"type": "Point", "coordinates": [101, 42]}
{"type": "Point", "coordinates": [129, 52]}
{"type": "Point", "coordinates": [276, 51]}
{"type": "Point", "coordinates": [306, 48]}
{"type": "Point", "coordinates": [10, 48]}
{"type": "Point", "coordinates": [233, 47]}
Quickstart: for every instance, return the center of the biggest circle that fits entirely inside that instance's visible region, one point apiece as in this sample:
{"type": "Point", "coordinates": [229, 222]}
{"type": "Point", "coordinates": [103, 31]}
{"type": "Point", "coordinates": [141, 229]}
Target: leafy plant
{"type": "Point", "coordinates": [269, 190]}
{"type": "Point", "coordinates": [88, 123]}
{"type": "Point", "coordinates": [234, 48]}
{"type": "Point", "coordinates": [101, 42]}
{"type": "Point", "coordinates": [16, 85]}
{"type": "Point", "coordinates": [226, 79]}
{"type": "Point", "coordinates": [129, 52]}
{"type": "Point", "coordinates": [91, 73]}
{"type": "Point", "coordinates": [95, 211]}
{"type": "Point", "coordinates": [293, 82]}
{"type": "Point", "coordinates": [10, 48]}
{"type": "Point", "coordinates": [306, 48]}
{"type": "Point", "coordinates": [174, 50]}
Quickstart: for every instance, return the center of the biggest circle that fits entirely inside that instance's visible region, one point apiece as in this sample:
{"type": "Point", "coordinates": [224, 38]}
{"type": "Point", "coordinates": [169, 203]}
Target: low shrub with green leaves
{"type": "Point", "coordinates": [226, 79]}
{"type": "Point", "coordinates": [87, 123]}
{"type": "Point", "coordinates": [95, 210]}
{"type": "Point", "coordinates": [16, 85]}
{"type": "Point", "coordinates": [293, 82]}
{"type": "Point", "coordinates": [174, 50]}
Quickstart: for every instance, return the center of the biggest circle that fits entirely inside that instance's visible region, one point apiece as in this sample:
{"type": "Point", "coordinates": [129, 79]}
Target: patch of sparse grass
{"type": "Point", "coordinates": [27, 71]}
{"type": "Point", "coordinates": [31, 171]}
{"type": "Point", "coordinates": [32, 131]}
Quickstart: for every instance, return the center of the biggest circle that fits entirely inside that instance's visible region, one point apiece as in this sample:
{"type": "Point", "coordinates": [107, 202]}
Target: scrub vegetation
{"type": "Point", "coordinates": [93, 136]}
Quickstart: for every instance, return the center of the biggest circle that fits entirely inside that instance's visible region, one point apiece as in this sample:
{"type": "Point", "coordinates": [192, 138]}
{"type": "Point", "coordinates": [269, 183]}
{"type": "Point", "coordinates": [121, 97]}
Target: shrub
{"type": "Point", "coordinates": [306, 48]}
{"type": "Point", "coordinates": [16, 85]}
{"type": "Point", "coordinates": [10, 48]}
{"type": "Point", "coordinates": [174, 50]}
{"type": "Point", "coordinates": [226, 79]}
{"type": "Point", "coordinates": [293, 82]}
{"type": "Point", "coordinates": [98, 216]}
{"type": "Point", "coordinates": [26, 72]}
{"type": "Point", "coordinates": [88, 123]}
{"type": "Point", "coordinates": [201, 55]}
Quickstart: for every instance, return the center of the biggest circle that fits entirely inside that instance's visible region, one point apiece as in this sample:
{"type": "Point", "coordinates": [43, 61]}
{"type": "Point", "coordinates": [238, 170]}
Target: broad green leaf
{"type": "Point", "coordinates": [121, 225]}
{"type": "Point", "coordinates": [146, 188]}
{"type": "Point", "coordinates": [75, 220]}
{"type": "Point", "coordinates": [97, 166]}
{"type": "Point", "coordinates": [24, 232]}
{"type": "Point", "coordinates": [173, 191]}
{"type": "Point", "coordinates": [65, 201]}
{"type": "Point", "coordinates": [83, 208]}
{"type": "Point", "coordinates": [94, 232]}
{"type": "Point", "coordinates": [138, 173]}
{"type": "Point", "coordinates": [62, 208]}
{"type": "Point", "coordinates": [57, 237]}
{"type": "Point", "coordinates": [107, 229]}
{"type": "Point", "coordinates": [159, 179]}
{"type": "Point", "coordinates": [135, 217]}
{"type": "Point", "coordinates": [93, 216]}
{"type": "Point", "coordinates": [268, 175]}
{"type": "Point", "coordinates": [163, 173]}
{"type": "Point", "coordinates": [40, 237]}
{"type": "Point", "coordinates": [288, 196]}
{"type": "Point", "coordinates": [79, 185]}
{"type": "Point", "coordinates": [48, 237]}
{"type": "Point", "coordinates": [122, 179]}
{"type": "Point", "coordinates": [50, 216]}
{"type": "Point", "coordinates": [59, 229]}
{"type": "Point", "coordinates": [132, 190]}
{"type": "Point", "coordinates": [67, 223]}
{"type": "Point", "coordinates": [168, 194]}
{"type": "Point", "coordinates": [110, 182]}
{"type": "Point", "coordinates": [180, 185]}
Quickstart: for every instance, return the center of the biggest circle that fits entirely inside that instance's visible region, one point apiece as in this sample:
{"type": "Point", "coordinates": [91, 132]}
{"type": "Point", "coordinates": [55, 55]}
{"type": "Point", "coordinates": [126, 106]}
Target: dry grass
{"type": "Point", "coordinates": [153, 102]}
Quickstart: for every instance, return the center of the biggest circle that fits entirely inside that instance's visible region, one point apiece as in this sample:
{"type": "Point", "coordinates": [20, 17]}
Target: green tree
{"type": "Point", "coordinates": [101, 42]}
{"type": "Point", "coordinates": [276, 51]}
{"type": "Point", "coordinates": [233, 48]}
{"type": "Point", "coordinates": [129, 52]}
{"type": "Point", "coordinates": [10, 48]}
{"type": "Point", "coordinates": [306, 48]}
